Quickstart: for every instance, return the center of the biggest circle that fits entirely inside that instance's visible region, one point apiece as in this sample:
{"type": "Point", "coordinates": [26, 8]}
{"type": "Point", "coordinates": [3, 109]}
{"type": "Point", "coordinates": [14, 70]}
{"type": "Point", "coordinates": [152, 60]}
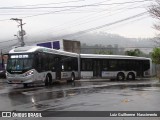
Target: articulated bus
{"type": "Point", "coordinates": [119, 67]}
{"type": "Point", "coordinates": [34, 64]}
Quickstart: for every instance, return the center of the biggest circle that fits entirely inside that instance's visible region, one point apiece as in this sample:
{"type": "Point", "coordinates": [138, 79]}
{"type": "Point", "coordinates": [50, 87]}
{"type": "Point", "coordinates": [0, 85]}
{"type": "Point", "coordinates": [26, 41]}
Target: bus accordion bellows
{"type": "Point", "coordinates": [34, 64]}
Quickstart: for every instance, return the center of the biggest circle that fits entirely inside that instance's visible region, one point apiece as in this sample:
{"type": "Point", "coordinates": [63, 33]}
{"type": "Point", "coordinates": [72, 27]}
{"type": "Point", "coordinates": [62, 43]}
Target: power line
{"type": "Point", "coordinates": [98, 27]}
{"type": "Point", "coordinates": [82, 31]}
{"type": "Point", "coordinates": [65, 10]}
{"type": "Point", "coordinates": [87, 16]}
{"type": "Point", "coordinates": [55, 11]}
{"type": "Point", "coordinates": [105, 25]}
{"type": "Point", "coordinates": [89, 5]}
{"type": "Point", "coordinates": [49, 3]}
{"type": "Point", "coordinates": [92, 20]}
{"type": "Point", "coordinates": [96, 19]}
{"type": "Point", "coordinates": [68, 12]}
{"type": "Point", "coordinates": [42, 14]}
{"type": "Point", "coordinates": [60, 10]}
{"type": "Point", "coordinates": [76, 7]}
{"type": "Point", "coordinates": [139, 18]}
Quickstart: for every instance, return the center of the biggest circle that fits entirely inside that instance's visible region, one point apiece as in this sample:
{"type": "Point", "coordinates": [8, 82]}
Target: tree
{"type": "Point", "coordinates": [156, 55]}
{"type": "Point", "coordinates": [135, 52]}
{"type": "Point", "coordinates": [154, 10]}
{"type": "Point", "coordinates": [156, 59]}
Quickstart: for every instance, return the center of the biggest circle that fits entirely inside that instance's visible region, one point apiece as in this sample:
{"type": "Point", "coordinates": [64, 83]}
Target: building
{"type": "Point", "coordinates": [66, 45]}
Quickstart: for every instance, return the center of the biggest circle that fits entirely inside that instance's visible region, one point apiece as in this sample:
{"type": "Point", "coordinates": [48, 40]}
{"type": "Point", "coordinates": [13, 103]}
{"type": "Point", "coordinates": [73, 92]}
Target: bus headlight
{"type": "Point", "coordinates": [29, 73]}
{"type": "Point", "coordinates": [7, 74]}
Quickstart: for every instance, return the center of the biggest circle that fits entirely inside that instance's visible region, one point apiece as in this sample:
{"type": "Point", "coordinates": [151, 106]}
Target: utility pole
{"type": "Point", "coordinates": [21, 32]}
{"type": "Point", "coordinates": [2, 59]}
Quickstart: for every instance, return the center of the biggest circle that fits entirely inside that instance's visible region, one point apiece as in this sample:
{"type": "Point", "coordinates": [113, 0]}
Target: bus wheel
{"type": "Point", "coordinates": [130, 76]}
{"type": "Point", "coordinates": [120, 76]}
{"type": "Point", "coordinates": [72, 77]}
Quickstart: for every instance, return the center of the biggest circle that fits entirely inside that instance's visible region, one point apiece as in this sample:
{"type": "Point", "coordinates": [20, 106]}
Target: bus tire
{"type": "Point", "coordinates": [120, 76]}
{"type": "Point", "coordinates": [131, 76]}
{"type": "Point", "coordinates": [72, 77]}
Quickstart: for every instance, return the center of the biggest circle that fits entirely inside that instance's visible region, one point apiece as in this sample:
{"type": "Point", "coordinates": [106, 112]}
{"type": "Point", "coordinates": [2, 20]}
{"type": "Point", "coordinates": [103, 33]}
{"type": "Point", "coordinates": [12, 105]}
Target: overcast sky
{"type": "Point", "coordinates": [61, 17]}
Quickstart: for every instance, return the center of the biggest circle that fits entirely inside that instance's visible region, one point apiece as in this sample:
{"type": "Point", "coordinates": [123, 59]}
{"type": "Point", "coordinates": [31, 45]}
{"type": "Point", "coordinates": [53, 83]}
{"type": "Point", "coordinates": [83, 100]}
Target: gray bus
{"type": "Point", "coordinates": [34, 64]}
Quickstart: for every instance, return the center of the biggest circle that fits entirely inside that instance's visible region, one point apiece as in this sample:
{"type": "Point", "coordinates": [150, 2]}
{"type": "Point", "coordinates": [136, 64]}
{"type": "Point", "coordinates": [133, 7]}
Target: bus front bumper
{"type": "Point", "coordinates": [20, 80]}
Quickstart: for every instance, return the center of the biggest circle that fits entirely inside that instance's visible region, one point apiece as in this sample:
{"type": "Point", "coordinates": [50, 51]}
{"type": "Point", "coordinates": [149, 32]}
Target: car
{"type": "Point", "coordinates": [2, 73]}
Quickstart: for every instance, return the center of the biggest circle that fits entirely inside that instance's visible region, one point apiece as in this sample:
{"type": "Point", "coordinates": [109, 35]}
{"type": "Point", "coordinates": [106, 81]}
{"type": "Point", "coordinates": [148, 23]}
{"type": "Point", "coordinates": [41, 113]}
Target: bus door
{"type": "Point", "coordinates": [58, 73]}
{"type": "Point", "coordinates": [140, 69]}
{"type": "Point", "coordinates": [97, 68]}
{"type": "Point", "coordinates": [58, 68]}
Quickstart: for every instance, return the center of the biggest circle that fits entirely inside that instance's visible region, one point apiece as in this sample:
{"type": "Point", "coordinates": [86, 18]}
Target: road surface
{"type": "Point", "coordinates": [84, 95]}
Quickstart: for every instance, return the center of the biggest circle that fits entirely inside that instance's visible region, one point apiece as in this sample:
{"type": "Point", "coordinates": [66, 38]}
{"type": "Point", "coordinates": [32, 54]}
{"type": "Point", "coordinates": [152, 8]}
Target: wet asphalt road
{"type": "Point", "coordinates": [84, 95]}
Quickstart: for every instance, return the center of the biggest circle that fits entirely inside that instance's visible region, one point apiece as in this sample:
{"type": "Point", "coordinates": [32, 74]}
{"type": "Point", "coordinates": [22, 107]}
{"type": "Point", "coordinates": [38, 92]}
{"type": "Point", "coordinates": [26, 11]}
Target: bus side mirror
{"type": "Point", "coordinates": [62, 67]}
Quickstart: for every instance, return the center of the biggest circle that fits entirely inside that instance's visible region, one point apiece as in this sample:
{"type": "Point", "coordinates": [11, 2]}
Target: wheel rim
{"type": "Point", "coordinates": [72, 77]}
{"type": "Point", "coordinates": [130, 76]}
{"type": "Point", "coordinates": [120, 77]}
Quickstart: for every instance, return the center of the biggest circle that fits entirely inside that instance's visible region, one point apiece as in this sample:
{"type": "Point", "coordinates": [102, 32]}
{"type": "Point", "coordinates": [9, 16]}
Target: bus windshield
{"type": "Point", "coordinates": [19, 62]}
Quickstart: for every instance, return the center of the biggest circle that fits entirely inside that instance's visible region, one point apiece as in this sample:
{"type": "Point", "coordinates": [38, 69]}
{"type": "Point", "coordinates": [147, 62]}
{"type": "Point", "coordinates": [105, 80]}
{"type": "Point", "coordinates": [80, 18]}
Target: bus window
{"type": "Point", "coordinates": [146, 65]}
{"type": "Point", "coordinates": [86, 64]}
{"type": "Point", "coordinates": [75, 64]}
{"type": "Point", "coordinates": [122, 65]}
{"type": "Point", "coordinates": [113, 65]}
{"type": "Point", "coordinates": [105, 65]}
